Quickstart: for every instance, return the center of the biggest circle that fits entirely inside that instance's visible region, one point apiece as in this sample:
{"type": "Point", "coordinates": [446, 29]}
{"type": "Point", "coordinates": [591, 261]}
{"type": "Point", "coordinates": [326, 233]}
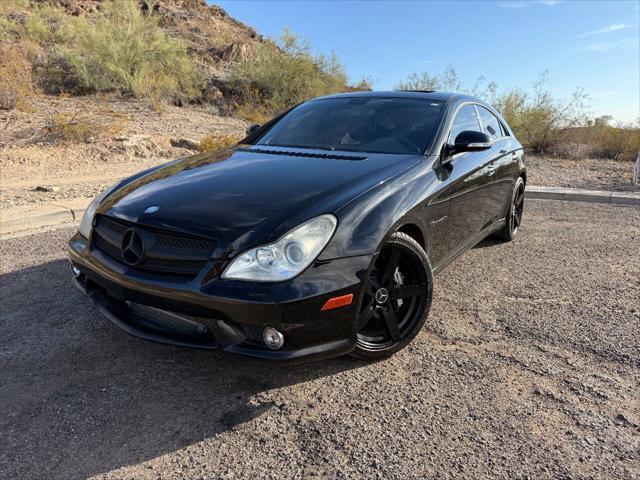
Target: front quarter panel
{"type": "Point", "coordinates": [366, 221]}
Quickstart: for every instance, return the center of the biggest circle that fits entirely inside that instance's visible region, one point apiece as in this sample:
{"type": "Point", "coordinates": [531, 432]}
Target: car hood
{"type": "Point", "coordinates": [249, 195]}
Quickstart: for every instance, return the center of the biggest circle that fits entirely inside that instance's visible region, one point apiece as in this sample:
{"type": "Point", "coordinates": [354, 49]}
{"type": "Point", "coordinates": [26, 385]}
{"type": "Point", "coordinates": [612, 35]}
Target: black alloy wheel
{"type": "Point", "coordinates": [396, 300]}
{"type": "Point", "coordinates": [514, 214]}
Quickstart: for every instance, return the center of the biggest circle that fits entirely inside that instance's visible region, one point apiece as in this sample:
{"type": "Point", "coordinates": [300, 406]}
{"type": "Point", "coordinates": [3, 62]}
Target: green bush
{"type": "Point", "coordinates": [121, 49]}
{"type": "Point", "coordinates": [126, 50]}
{"type": "Point", "coordinates": [49, 25]}
{"type": "Point", "coordinates": [281, 74]}
{"type": "Point", "coordinates": [8, 23]}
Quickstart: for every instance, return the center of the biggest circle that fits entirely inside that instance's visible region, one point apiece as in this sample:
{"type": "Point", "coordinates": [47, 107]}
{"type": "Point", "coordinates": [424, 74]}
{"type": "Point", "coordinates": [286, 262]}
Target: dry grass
{"type": "Point", "coordinates": [621, 142]}
{"type": "Point", "coordinates": [78, 128]}
{"type": "Point", "coordinates": [15, 78]}
{"type": "Point", "coordinates": [216, 142]}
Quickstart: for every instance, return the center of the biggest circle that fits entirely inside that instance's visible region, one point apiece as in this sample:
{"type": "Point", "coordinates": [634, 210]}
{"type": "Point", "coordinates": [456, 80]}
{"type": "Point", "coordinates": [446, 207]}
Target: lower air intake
{"type": "Point", "coordinates": [164, 320]}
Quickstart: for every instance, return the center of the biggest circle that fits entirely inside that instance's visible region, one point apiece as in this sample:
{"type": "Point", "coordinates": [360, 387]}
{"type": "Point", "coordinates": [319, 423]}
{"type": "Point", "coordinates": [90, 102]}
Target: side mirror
{"type": "Point", "coordinates": [253, 128]}
{"type": "Point", "coordinates": [470, 141]}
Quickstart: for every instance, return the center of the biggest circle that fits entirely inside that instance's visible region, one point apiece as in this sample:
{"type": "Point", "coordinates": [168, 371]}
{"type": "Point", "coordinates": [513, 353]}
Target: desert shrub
{"type": "Point", "coordinates": [448, 80]}
{"type": "Point", "coordinates": [15, 78]}
{"type": "Point", "coordinates": [251, 106]}
{"type": "Point", "coordinates": [7, 26]}
{"type": "Point", "coordinates": [50, 25]}
{"type": "Point", "coordinates": [122, 49]}
{"type": "Point", "coordinates": [75, 127]}
{"type": "Point", "coordinates": [540, 120]}
{"type": "Point", "coordinates": [126, 50]}
{"type": "Point", "coordinates": [216, 142]}
{"type": "Point", "coordinates": [63, 72]}
{"type": "Point", "coordinates": [279, 74]}
{"type": "Point", "coordinates": [620, 142]}
{"type": "Point", "coordinates": [10, 12]}
{"type": "Point", "coordinates": [364, 85]}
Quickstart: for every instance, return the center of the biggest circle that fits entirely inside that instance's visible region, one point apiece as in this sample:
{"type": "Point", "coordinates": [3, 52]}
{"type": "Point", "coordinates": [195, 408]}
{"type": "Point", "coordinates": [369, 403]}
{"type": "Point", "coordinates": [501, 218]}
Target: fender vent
{"type": "Point", "coordinates": [302, 154]}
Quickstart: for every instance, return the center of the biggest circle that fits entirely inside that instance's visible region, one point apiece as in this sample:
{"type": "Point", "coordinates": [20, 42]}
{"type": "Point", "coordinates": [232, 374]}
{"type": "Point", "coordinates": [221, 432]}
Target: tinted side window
{"type": "Point", "coordinates": [466, 119]}
{"type": "Point", "coordinates": [490, 123]}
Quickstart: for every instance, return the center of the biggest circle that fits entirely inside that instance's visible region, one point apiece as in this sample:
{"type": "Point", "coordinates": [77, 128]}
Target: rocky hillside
{"type": "Point", "coordinates": [52, 38]}
{"type": "Point", "coordinates": [211, 35]}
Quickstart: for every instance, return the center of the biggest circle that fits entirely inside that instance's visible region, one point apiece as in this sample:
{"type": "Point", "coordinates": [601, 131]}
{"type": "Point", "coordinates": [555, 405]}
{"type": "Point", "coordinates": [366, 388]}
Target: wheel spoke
{"type": "Point", "coordinates": [517, 218]}
{"type": "Point", "coordinates": [392, 264]}
{"type": "Point", "coordinates": [373, 286]}
{"type": "Point", "coordinates": [519, 199]}
{"type": "Point", "coordinates": [407, 291]}
{"type": "Point", "coordinates": [365, 316]}
{"type": "Point", "coordinates": [392, 323]}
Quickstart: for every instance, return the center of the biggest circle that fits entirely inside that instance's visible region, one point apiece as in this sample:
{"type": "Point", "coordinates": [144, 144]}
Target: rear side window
{"type": "Point", "coordinates": [466, 119]}
{"type": "Point", "coordinates": [490, 123]}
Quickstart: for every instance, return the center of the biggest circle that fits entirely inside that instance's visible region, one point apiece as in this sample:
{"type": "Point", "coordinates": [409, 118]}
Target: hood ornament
{"type": "Point", "coordinates": [152, 209]}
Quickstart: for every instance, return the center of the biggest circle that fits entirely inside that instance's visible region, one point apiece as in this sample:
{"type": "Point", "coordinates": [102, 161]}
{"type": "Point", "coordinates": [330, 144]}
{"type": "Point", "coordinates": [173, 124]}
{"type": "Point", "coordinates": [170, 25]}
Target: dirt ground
{"type": "Point", "coordinates": [28, 158]}
{"type": "Point", "coordinates": [528, 367]}
{"type": "Point", "coordinates": [588, 173]}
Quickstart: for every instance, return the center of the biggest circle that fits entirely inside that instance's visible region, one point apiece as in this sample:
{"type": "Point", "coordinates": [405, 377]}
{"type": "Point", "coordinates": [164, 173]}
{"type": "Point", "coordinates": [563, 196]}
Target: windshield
{"type": "Point", "coordinates": [361, 124]}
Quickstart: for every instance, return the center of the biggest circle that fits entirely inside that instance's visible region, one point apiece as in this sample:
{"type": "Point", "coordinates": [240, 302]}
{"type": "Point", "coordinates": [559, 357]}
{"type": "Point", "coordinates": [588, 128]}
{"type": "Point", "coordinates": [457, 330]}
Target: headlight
{"type": "Point", "coordinates": [87, 218]}
{"type": "Point", "coordinates": [288, 256]}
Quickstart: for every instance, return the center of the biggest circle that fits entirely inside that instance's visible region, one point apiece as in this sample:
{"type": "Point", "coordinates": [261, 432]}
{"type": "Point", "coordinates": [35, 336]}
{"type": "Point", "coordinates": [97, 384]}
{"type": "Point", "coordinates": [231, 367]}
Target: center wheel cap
{"type": "Point", "coordinates": [382, 296]}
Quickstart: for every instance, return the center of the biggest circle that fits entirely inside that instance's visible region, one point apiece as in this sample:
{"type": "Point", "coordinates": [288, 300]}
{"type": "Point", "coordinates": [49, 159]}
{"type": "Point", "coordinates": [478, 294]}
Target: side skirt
{"type": "Point", "coordinates": [484, 233]}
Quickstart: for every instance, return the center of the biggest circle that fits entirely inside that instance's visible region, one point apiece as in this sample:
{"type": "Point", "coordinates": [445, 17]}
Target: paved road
{"type": "Point", "coordinates": [529, 366]}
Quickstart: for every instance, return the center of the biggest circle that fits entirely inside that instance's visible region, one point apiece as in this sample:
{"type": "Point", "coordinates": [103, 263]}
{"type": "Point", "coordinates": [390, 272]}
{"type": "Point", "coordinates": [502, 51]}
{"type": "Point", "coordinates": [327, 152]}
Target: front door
{"type": "Point", "coordinates": [471, 176]}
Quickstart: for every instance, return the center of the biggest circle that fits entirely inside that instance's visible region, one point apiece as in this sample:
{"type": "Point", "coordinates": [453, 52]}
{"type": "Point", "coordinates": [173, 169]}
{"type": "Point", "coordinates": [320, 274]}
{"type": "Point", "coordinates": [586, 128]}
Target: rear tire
{"type": "Point", "coordinates": [397, 299]}
{"type": "Point", "coordinates": [514, 213]}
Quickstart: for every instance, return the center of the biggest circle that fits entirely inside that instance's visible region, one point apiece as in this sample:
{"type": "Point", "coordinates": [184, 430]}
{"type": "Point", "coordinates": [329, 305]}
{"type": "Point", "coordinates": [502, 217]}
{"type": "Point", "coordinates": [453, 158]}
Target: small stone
{"type": "Point", "coordinates": [47, 188]}
{"type": "Point", "coordinates": [187, 143]}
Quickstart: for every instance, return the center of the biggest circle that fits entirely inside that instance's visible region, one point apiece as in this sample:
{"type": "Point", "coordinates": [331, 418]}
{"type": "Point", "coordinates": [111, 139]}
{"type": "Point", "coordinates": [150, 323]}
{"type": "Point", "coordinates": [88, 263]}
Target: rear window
{"type": "Point", "coordinates": [490, 123]}
{"type": "Point", "coordinates": [362, 124]}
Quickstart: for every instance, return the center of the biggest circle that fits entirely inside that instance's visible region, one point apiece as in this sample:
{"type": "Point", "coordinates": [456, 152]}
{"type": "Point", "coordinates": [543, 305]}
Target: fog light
{"type": "Point", "coordinates": [272, 338]}
{"type": "Point", "coordinates": [75, 270]}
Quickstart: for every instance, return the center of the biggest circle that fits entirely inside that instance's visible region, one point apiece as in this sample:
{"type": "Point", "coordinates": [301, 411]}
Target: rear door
{"type": "Point", "coordinates": [503, 163]}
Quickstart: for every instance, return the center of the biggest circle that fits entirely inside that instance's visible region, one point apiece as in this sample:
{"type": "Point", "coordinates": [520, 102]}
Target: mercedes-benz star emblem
{"type": "Point", "coordinates": [152, 209]}
{"type": "Point", "coordinates": [382, 295]}
{"type": "Point", "coordinates": [132, 247]}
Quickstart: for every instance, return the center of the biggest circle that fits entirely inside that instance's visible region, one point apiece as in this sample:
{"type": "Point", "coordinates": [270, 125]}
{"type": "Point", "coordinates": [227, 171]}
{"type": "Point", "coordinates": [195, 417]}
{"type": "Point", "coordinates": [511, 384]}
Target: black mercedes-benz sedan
{"type": "Point", "coordinates": [317, 235]}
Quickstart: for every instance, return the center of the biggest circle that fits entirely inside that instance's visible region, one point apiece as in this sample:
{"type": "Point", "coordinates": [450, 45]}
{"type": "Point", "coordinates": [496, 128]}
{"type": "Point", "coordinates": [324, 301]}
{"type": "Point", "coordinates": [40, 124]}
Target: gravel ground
{"type": "Point", "coordinates": [529, 367]}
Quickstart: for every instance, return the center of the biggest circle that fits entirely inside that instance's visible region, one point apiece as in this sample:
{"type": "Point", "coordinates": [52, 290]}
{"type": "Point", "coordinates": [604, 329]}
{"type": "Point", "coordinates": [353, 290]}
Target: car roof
{"type": "Point", "coordinates": [425, 94]}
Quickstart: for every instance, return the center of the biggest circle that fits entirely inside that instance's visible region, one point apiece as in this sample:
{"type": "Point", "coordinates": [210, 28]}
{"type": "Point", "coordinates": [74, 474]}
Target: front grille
{"type": "Point", "coordinates": [163, 252]}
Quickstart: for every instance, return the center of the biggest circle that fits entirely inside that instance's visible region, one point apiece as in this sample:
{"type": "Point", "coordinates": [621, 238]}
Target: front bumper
{"type": "Point", "coordinates": [225, 314]}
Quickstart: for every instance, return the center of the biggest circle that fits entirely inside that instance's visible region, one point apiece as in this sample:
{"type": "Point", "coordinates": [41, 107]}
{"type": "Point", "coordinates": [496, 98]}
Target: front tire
{"type": "Point", "coordinates": [397, 299]}
{"type": "Point", "coordinates": [514, 213]}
